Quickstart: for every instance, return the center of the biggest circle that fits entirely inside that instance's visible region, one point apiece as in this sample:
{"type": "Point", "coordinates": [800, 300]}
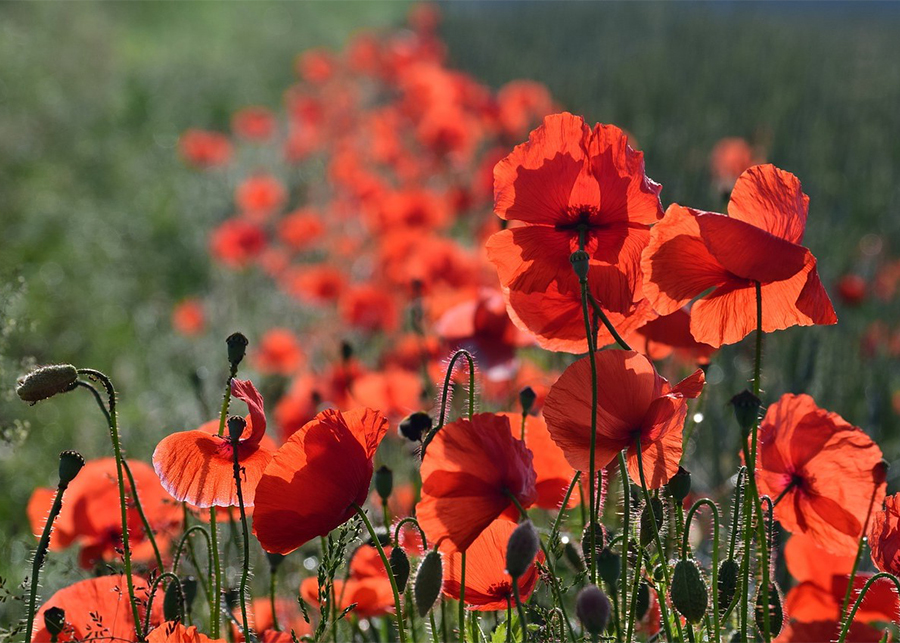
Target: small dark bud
{"type": "Point", "coordinates": [236, 426]}
{"type": "Point", "coordinates": [643, 601]}
{"type": "Point", "coordinates": [189, 587]}
{"type": "Point", "coordinates": [574, 557]}
{"type": "Point", "coordinates": [689, 593]}
{"type": "Point", "coordinates": [521, 549]}
{"type": "Point", "coordinates": [45, 382]}
{"type": "Point", "coordinates": [650, 527]}
{"type": "Point", "coordinates": [232, 598]}
{"type": "Point", "coordinates": [55, 620]}
{"type": "Point", "coordinates": [580, 264]}
{"type": "Point", "coordinates": [346, 351]}
{"type": "Point", "coordinates": [879, 472]}
{"type": "Point", "coordinates": [237, 348]}
{"type": "Point", "coordinates": [599, 539]}
{"type": "Point", "coordinates": [413, 427]}
{"type": "Point", "coordinates": [592, 608]}
{"type": "Point", "coordinates": [384, 483]}
{"type": "Point", "coordinates": [728, 580]}
{"type": "Point", "coordinates": [400, 567]}
{"type": "Point", "coordinates": [775, 613]}
{"type": "Point", "coordinates": [70, 463]}
{"type": "Point", "coordinates": [746, 410]}
{"type": "Point", "coordinates": [609, 566]}
{"type": "Point", "coordinates": [429, 579]}
{"type": "Point", "coordinates": [275, 560]}
{"type": "Point", "coordinates": [527, 397]}
{"type": "Point", "coordinates": [679, 485]}
{"type": "Point", "coordinates": [171, 599]}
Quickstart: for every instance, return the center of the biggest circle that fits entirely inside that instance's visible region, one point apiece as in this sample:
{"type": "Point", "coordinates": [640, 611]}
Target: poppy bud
{"type": "Point", "coordinates": [592, 609]}
{"type": "Point", "coordinates": [746, 410]}
{"type": "Point", "coordinates": [346, 351]}
{"type": "Point", "coordinates": [45, 382]}
{"type": "Point", "coordinates": [521, 549]}
{"type": "Point", "coordinates": [580, 263]}
{"type": "Point", "coordinates": [649, 527]}
{"type": "Point", "coordinates": [171, 599]}
{"type": "Point", "coordinates": [775, 613]}
{"type": "Point", "coordinates": [879, 472]}
{"type": "Point", "coordinates": [400, 567]}
{"type": "Point", "coordinates": [189, 587]}
{"type": "Point", "coordinates": [384, 483]}
{"type": "Point", "coordinates": [680, 484]}
{"type": "Point", "coordinates": [413, 427]}
{"type": "Point", "coordinates": [689, 593]}
{"type": "Point", "coordinates": [55, 621]}
{"type": "Point", "coordinates": [527, 397]}
{"type": "Point", "coordinates": [586, 540]}
{"type": "Point", "coordinates": [429, 579]}
{"type": "Point", "coordinates": [237, 348]}
{"type": "Point", "coordinates": [574, 557]}
{"type": "Point", "coordinates": [232, 598]}
{"type": "Point", "coordinates": [609, 565]}
{"type": "Point", "coordinates": [643, 601]}
{"type": "Point", "coordinates": [728, 578]}
{"type": "Point", "coordinates": [236, 426]}
{"type": "Point", "coordinates": [70, 463]}
{"type": "Point", "coordinates": [275, 560]}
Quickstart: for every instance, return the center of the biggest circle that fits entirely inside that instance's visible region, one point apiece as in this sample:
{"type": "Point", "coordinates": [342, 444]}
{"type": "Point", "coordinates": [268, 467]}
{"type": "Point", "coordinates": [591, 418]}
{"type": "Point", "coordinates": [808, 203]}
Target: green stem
{"type": "Point", "coordinates": [626, 529]}
{"type": "Point", "coordinates": [612, 330]}
{"type": "Point", "coordinates": [634, 595]}
{"type": "Point", "coordinates": [245, 566]}
{"type": "Point", "coordinates": [715, 553]}
{"type": "Point", "coordinates": [859, 552]}
{"type": "Point", "coordinates": [273, 576]}
{"type": "Point", "coordinates": [387, 566]}
{"type": "Point", "coordinates": [39, 556]}
{"type": "Point", "coordinates": [522, 619]}
{"type": "Point", "coordinates": [462, 598]}
{"type": "Point", "coordinates": [153, 589]}
{"type": "Point", "coordinates": [445, 394]}
{"type": "Point", "coordinates": [592, 481]}
{"type": "Point", "coordinates": [849, 620]}
{"type": "Point", "coordinates": [140, 509]}
{"type": "Point", "coordinates": [554, 530]}
{"type": "Point", "coordinates": [412, 520]}
{"type": "Point", "coordinates": [434, 627]}
{"type": "Point", "coordinates": [184, 539]}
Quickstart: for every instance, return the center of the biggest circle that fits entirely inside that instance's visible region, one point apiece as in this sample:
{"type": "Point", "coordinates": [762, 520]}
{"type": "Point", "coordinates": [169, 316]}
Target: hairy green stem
{"type": "Point", "coordinates": [39, 556]}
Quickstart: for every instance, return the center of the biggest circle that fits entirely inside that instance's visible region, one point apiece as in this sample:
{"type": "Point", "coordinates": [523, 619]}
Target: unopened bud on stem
{"type": "Point", "coordinates": [45, 382]}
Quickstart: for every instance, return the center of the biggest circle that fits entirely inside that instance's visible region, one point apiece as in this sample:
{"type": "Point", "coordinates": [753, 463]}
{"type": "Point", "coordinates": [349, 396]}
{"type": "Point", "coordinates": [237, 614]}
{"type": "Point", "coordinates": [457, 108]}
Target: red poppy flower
{"type": "Point", "coordinates": [315, 478]}
{"type": "Point", "coordinates": [236, 243]}
{"type": "Point", "coordinates": [260, 615]}
{"type": "Point", "coordinates": [884, 536]}
{"type": "Point", "coordinates": [317, 284]}
{"type": "Point", "coordinates": [730, 158]}
{"type": "Point", "coordinates": [661, 337]}
{"type": "Point", "coordinates": [520, 104]}
{"type": "Point", "coordinates": [98, 609]}
{"type": "Point", "coordinates": [368, 585]}
{"type": "Point", "coordinates": [197, 467]}
{"type": "Point", "coordinates": [316, 65]}
{"type": "Point", "coordinates": [260, 196]}
{"type": "Point", "coordinates": [569, 181]}
{"type": "Point", "coordinates": [91, 517]}
{"type": "Point", "coordinates": [819, 631]}
{"type": "Point", "coordinates": [188, 317]}
{"type": "Point", "coordinates": [469, 471]}
{"type": "Point", "coordinates": [175, 632]}
{"type": "Point", "coordinates": [691, 252]}
{"type": "Point", "coordinates": [633, 402]}
{"type": "Point", "coordinates": [369, 308]}
{"type": "Point", "coordinates": [301, 229]}
{"type": "Point", "coordinates": [852, 289]}
{"type": "Point", "coordinates": [488, 586]}
{"type": "Point", "coordinates": [279, 352]}
{"type": "Point", "coordinates": [254, 123]}
{"type": "Point", "coordinates": [824, 467]}
{"type": "Point", "coordinates": [398, 392]}
{"type": "Point", "coordinates": [411, 209]}
{"type": "Point", "coordinates": [205, 149]}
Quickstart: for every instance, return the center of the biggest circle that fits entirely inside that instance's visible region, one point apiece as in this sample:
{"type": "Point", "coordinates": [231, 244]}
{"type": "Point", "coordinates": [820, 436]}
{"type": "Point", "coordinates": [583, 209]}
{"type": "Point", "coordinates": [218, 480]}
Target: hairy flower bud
{"type": "Point", "coordinates": [599, 538]}
{"type": "Point", "coordinates": [527, 397]}
{"type": "Point", "coordinates": [237, 348]}
{"type": "Point", "coordinates": [643, 601]}
{"type": "Point", "coordinates": [609, 566]}
{"type": "Point", "coordinates": [688, 592]}
{"type": "Point", "coordinates": [70, 463]}
{"type": "Point", "coordinates": [429, 579]}
{"type": "Point", "coordinates": [55, 620]}
{"type": "Point", "coordinates": [652, 524]}
{"type": "Point", "coordinates": [679, 485]}
{"type": "Point", "coordinates": [574, 557]}
{"type": "Point", "coordinates": [592, 608]}
{"type": "Point", "coordinates": [400, 567]}
{"type": "Point", "coordinates": [384, 483]}
{"type": "Point", "coordinates": [746, 410]}
{"type": "Point", "coordinates": [46, 381]}
{"type": "Point", "coordinates": [414, 426]}
{"type": "Point", "coordinates": [728, 579]}
{"type": "Point", "coordinates": [189, 586]}
{"type": "Point", "coordinates": [521, 549]}
{"type": "Point", "coordinates": [775, 613]}
{"type": "Point", "coordinates": [172, 608]}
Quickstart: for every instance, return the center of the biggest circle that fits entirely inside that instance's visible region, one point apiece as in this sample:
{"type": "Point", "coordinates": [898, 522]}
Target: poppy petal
{"type": "Point", "coordinates": [770, 199]}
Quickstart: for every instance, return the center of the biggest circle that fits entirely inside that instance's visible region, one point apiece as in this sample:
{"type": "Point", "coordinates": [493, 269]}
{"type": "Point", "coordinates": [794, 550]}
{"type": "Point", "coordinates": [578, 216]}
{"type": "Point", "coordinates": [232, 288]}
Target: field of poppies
{"type": "Point", "coordinates": [459, 322]}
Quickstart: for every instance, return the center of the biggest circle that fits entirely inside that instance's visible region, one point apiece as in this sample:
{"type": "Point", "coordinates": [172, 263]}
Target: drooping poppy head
{"type": "Point", "coordinates": [198, 466]}
{"type": "Point", "coordinates": [488, 585]}
{"type": "Point", "coordinates": [570, 183]}
{"type": "Point", "coordinates": [175, 632]}
{"type": "Point", "coordinates": [315, 480]}
{"type": "Point", "coordinates": [98, 609]}
{"type": "Point", "coordinates": [824, 468]}
{"type": "Point", "coordinates": [692, 252]}
{"type": "Point", "coordinates": [634, 403]}
{"type": "Point", "coordinates": [884, 536]}
{"type": "Point", "coordinates": [470, 471]}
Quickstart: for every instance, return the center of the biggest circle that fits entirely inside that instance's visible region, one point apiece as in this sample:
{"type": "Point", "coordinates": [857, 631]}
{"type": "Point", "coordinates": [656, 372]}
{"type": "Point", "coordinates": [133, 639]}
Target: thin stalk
{"type": "Point", "coordinates": [153, 589]}
{"type": "Point", "coordinates": [445, 394]}
{"type": "Point", "coordinates": [715, 554]}
{"type": "Point", "coordinates": [612, 330]}
{"type": "Point", "coordinates": [626, 529]}
{"type": "Point", "coordinates": [592, 481]}
{"type": "Point", "coordinates": [462, 598]}
{"type": "Point", "coordinates": [849, 620]}
{"type": "Point", "coordinates": [184, 540]}
{"type": "Point", "coordinates": [554, 530]}
{"type": "Point", "coordinates": [522, 619]}
{"type": "Point", "coordinates": [245, 566]}
{"type": "Point", "coordinates": [140, 509]}
{"type": "Point", "coordinates": [859, 552]}
{"type": "Point", "coordinates": [39, 556]}
{"type": "Point", "coordinates": [434, 627]}
{"type": "Point", "coordinates": [400, 524]}
{"type": "Point", "coordinates": [634, 595]}
{"type": "Point", "coordinates": [273, 577]}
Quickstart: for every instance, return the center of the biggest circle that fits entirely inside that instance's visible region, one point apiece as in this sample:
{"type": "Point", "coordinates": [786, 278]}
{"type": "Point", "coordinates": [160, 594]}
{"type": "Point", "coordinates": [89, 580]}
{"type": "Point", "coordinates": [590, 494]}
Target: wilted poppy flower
{"type": "Point", "coordinates": [175, 632]}
{"type": "Point", "coordinates": [823, 466]}
{"type": "Point", "coordinates": [98, 609]}
{"type": "Point", "coordinates": [260, 196]}
{"type": "Point", "coordinates": [279, 352]}
{"type": "Point", "coordinates": [188, 317]}
{"type": "Point", "coordinates": [570, 182]}
{"type": "Point", "coordinates": [692, 252]}
{"type": "Point", "coordinates": [314, 480]}
{"type": "Point", "coordinates": [205, 149]}
{"type": "Point", "coordinates": [884, 536]}
{"type": "Point", "coordinates": [633, 403]}
{"type": "Point", "coordinates": [254, 123]}
{"type": "Point", "coordinates": [197, 467]}
{"type": "Point", "coordinates": [470, 470]}
{"type": "Point", "coordinates": [236, 243]}
{"type": "Point", "coordinates": [488, 585]}
{"type": "Point", "coordinates": [91, 517]}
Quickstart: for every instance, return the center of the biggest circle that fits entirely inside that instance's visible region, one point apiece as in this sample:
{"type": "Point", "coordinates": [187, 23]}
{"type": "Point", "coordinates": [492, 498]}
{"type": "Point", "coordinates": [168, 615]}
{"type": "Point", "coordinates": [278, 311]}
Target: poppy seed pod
{"type": "Point", "coordinates": [189, 587]}
{"type": "Point", "coordinates": [688, 592]}
{"type": "Point", "coordinates": [172, 609]}
{"type": "Point", "coordinates": [574, 557]}
{"type": "Point", "coordinates": [746, 410]}
{"type": "Point", "coordinates": [237, 348]}
{"type": "Point", "coordinates": [527, 397]}
{"type": "Point", "coordinates": [728, 578]}
{"type": "Point", "coordinates": [429, 579]}
{"type": "Point", "coordinates": [414, 426]}
{"type": "Point", "coordinates": [580, 264]}
{"type": "Point", "coordinates": [592, 608]}
{"type": "Point", "coordinates": [879, 472]}
{"type": "Point", "coordinates": [522, 548]}
{"type": "Point", "coordinates": [643, 601]}
{"type": "Point", "coordinates": [384, 483]}
{"type": "Point", "coordinates": [609, 566]}
{"type": "Point", "coordinates": [70, 463]}
{"type": "Point", "coordinates": [236, 426]}
{"type": "Point", "coordinates": [45, 382]}
{"type": "Point", "coordinates": [650, 527]}
{"type": "Point", "coordinates": [275, 560]}
{"type": "Point", "coordinates": [400, 567]}
{"type": "Point", "coordinates": [679, 485]}
{"type": "Point", "coordinates": [55, 621]}
{"type": "Point", "coordinates": [775, 613]}
{"type": "Point", "coordinates": [586, 540]}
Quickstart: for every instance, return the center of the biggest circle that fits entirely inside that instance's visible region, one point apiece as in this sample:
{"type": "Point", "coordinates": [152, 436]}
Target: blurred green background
{"type": "Point", "coordinates": [103, 228]}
